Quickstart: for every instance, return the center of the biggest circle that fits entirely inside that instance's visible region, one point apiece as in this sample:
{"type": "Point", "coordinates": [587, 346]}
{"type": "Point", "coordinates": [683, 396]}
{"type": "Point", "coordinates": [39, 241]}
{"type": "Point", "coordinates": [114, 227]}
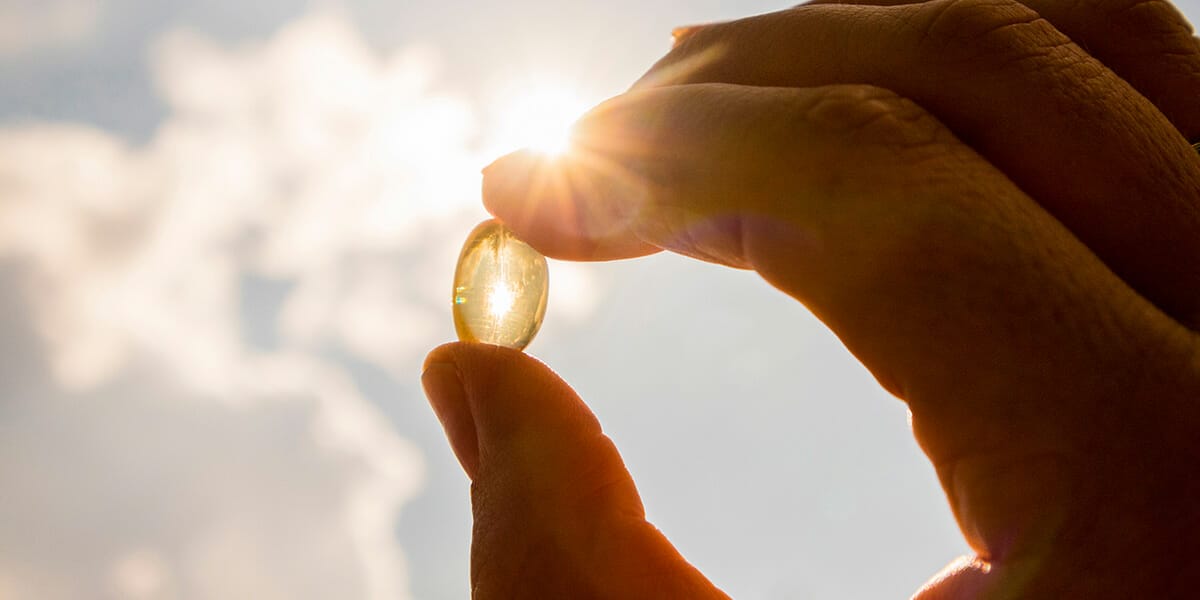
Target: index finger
{"type": "Point", "coordinates": [1001, 331]}
{"type": "Point", "coordinates": [572, 207]}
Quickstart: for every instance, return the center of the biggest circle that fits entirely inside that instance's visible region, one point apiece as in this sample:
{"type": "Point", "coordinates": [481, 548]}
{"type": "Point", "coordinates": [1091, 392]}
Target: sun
{"type": "Point", "coordinates": [538, 117]}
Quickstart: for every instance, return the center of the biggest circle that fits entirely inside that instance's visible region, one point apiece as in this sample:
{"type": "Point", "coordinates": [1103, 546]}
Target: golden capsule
{"type": "Point", "coordinates": [500, 288]}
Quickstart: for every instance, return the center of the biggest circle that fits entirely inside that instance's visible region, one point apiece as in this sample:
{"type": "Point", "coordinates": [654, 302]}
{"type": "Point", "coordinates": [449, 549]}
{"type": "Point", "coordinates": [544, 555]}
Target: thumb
{"type": "Point", "coordinates": [556, 512]}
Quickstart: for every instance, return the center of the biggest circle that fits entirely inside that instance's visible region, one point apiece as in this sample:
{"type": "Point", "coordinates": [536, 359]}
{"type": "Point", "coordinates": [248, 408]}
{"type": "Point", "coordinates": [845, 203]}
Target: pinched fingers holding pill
{"type": "Point", "coordinates": [1003, 226]}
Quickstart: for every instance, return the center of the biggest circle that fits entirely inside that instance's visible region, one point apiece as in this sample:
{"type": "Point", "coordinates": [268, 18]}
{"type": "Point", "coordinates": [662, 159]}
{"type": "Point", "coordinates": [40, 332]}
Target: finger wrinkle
{"type": "Point", "coordinates": [953, 23]}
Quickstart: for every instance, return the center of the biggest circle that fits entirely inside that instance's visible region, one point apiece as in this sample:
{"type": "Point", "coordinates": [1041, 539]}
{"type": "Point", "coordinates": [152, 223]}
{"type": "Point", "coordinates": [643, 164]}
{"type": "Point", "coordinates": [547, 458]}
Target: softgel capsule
{"type": "Point", "coordinates": [500, 288]}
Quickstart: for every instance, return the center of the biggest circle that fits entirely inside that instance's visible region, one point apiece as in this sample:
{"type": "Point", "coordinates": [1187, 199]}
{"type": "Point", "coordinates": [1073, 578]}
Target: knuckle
{"type": "Point", "coordinates": [1004, 31]}
{"type": "Point", "coordinates": [874, 116]}
{"type": "Point", "coordinates": [956, 21]}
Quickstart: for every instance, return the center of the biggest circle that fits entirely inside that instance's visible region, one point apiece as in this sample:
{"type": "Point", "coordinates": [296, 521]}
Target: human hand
{"type": "Point", "coordinates": [1003, 227]}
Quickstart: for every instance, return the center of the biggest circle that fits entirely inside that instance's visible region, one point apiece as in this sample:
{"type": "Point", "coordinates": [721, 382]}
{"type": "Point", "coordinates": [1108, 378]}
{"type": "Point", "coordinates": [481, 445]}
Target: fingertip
{"type": "Point", "coordinates": [497, 370]}
{"type": "Point", "coordinates": [448, 398]}
{"type": "Point", "coordinates": [510, 181]}
{"type": "Point", "coordinates": [463, 353]}
{"type": "Point", "coordinates": [483, 395]}
{"type": "Point", "coordinates": [508, 177]}
{"type": "Point", "coordinates": [479, 364]}
{"type": "Point", "coordinates": [516, 398]}
{"type": "Point", "coordinates": [441, 354]}
{"type": "Point", "coordinates": [521, 158]}
{"type": "Point", "coordinates": [561, 206]}
{"type": "Point", "coordinates": [518, 189]}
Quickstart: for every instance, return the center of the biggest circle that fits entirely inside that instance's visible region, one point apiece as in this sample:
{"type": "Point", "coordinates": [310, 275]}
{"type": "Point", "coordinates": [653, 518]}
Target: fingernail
{"type": "Point", "coordinates": [679, 34]}
{"type": "Point", "coordinates": [448, 398]}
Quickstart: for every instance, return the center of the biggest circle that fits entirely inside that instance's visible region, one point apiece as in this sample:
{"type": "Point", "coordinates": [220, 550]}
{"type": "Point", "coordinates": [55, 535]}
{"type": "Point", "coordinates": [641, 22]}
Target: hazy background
{"type": "Point", "coordinates": [227, 231]}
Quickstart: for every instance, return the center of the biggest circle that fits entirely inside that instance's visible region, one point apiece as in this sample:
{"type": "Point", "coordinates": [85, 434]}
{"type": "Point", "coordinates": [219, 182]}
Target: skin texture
{"type": "Point", "coordinates": [995, 207]}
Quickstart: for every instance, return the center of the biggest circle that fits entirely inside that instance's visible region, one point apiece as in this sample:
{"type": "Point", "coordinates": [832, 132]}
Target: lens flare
{"type": "Point", "coordinates": [538, 117]}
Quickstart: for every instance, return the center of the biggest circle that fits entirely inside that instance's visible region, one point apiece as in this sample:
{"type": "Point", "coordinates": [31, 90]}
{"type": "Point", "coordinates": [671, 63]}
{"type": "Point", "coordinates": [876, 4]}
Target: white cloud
{"type": "Point", "coordinates": [140, 574]}
{"type": "Point", "coordinates": [30, 25]}
{"type": "Point", "coordinates": [145, 492]}
{"type": "Point", "coordinates": [219, 467]}
{"type": "Point", "coordinates": [306, 159]}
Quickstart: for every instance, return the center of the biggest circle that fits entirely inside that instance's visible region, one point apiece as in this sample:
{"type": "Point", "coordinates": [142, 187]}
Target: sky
{"type": "Point", "coordinates": [227, 232]}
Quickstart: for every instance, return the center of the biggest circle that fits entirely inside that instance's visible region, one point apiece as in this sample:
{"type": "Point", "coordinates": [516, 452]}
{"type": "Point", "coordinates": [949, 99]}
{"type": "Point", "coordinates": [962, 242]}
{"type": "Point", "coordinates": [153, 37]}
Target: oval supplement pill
{"type": "Point", "coordinates": [500, 288]}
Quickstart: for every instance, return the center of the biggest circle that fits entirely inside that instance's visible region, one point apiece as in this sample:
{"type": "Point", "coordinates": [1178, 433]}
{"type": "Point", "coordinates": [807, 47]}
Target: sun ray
{"type": "Point", "coordinates": [537, 116]}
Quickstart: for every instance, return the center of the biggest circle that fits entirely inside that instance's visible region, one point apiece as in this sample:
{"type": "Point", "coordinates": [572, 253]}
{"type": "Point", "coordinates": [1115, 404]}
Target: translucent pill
{"type": "Point", "coordinates": [500, 288]}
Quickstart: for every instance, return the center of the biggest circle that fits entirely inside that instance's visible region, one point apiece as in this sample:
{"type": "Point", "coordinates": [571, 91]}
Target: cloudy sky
{"type": "Point", "coordinates": [227, 231]}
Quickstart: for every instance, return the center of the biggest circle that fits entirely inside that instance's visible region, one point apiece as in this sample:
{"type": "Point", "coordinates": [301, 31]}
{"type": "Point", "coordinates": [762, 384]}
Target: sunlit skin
{"type": "Point", "coordinates": [1002, 226]}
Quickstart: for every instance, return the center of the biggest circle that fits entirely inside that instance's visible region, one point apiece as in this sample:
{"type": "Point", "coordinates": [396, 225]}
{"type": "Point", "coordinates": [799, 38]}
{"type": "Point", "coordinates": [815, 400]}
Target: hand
{"type": "Point", "coordinates": [1004, 227]}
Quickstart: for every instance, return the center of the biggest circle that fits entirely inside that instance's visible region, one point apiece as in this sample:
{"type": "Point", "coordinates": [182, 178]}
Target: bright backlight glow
{"type": "Point", "coordinates": [538, 117]}
{"type": "Point", "coordinates": [500, 300]}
